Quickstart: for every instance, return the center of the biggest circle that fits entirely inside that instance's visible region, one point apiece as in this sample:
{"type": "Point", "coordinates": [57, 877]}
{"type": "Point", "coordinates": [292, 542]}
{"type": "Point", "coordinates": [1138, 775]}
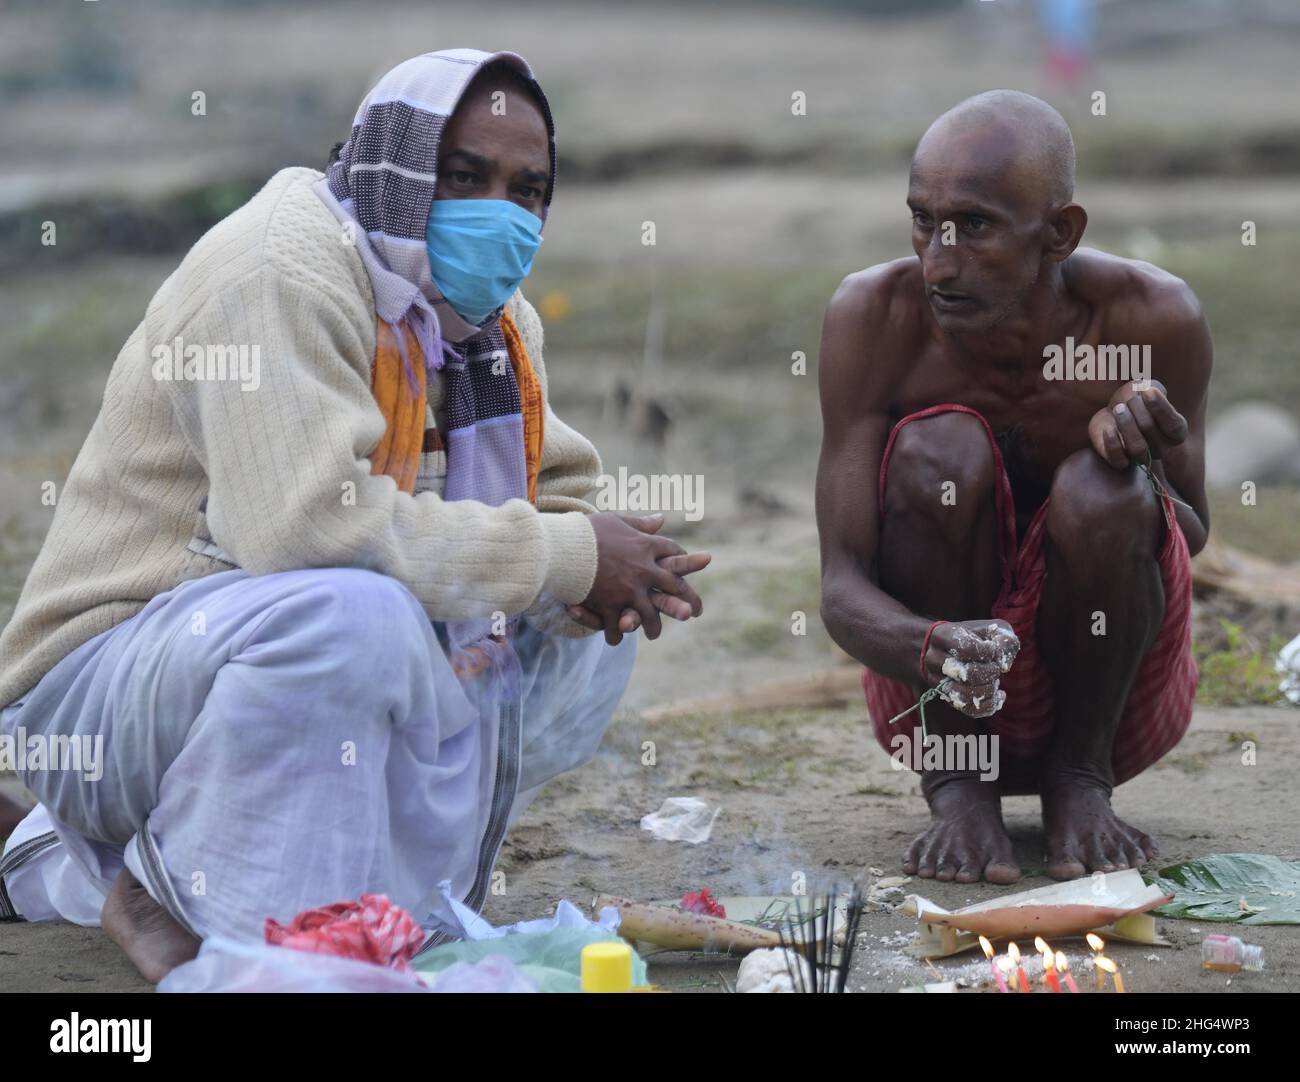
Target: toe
{"type": "Point", "coordinates": [912, 858]}
{"type": "Point", "coordinates": [1096, 856]}
{"type": "Point", "coordinates": [946, 864]}
{"type": "Point", "coordinates": [1001, 871]}
{"type": "Point", "coordinates": [1063, 859]}
{"type": "Point", "coordinates": [1065, 863]}
{"type": "Point", "coordinates": [1001, 866]}
{"type": "Point", "coordinates": [1149, 848]}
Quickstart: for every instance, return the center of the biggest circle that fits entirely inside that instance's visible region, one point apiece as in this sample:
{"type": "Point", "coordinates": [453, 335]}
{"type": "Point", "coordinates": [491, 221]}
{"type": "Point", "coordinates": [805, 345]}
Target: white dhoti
{"type": "Point", "coordinates": [279, 742]}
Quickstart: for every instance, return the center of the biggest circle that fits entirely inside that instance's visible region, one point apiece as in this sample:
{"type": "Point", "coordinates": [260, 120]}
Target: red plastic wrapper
{"type": "Point", "coordinates": [371, 930]}
{"type": "Point", "coordinates": [701, 901]}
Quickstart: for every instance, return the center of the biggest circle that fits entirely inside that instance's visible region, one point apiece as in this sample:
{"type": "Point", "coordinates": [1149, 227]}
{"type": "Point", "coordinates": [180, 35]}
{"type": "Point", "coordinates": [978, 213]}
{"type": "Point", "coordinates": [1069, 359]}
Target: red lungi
{"type": "Point", "coordinates": [1159, 706]}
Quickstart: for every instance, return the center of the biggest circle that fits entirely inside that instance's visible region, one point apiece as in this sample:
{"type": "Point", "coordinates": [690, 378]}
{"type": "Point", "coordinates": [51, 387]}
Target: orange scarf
{"type": "Point", "coordinates": [398, 453]}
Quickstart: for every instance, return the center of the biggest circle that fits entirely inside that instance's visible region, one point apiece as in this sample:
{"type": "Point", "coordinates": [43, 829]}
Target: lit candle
{"type": "Point", "coordinates": [1004, 967]}
{"type": "Point", "coordinates": [1111, 968]}
{"type": "Point", "coordinates": [1049, 964]}
{"type": "Point", "coordinates": [988, 953]}
{"type": "Point", "coordinates": [1063, 964]}
{"type": "Point", "coordinates": [1096, 943]}
{"type": "Point", "coordinates": [1049, 972]}
{"type": "Point", "coordinates": [1014, 951]}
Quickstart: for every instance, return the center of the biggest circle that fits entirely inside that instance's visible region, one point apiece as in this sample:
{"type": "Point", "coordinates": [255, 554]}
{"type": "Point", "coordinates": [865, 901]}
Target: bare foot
{"type": "Point", "coordinates": [145, 931]}
{"type": "Point", "coordinates": [966, 838]}
{"type": "Point", "coordinates": [1084, 835]}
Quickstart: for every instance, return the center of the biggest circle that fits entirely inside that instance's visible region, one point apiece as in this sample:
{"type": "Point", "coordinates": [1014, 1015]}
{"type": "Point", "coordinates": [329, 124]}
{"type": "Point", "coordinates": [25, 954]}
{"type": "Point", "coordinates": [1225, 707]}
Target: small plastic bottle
{"type": "Point", "coordinates": [1228, 954]}
{"type": "Point", "coordinates": [607, 967]}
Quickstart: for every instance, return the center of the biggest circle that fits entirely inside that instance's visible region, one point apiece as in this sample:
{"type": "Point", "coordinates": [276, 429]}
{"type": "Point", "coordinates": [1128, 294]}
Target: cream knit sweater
{"type": "Point", "coordinates": [183, 478]}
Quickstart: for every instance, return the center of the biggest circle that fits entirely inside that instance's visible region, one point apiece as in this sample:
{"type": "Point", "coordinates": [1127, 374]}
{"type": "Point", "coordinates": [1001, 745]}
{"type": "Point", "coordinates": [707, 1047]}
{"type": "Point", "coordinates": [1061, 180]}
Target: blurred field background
{"type": "Point", "coordinates": [677, 357]}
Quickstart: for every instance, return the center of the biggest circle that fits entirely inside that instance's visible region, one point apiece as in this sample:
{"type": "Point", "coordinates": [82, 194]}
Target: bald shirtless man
{"type": "Point", "coordinates": [967, 493]}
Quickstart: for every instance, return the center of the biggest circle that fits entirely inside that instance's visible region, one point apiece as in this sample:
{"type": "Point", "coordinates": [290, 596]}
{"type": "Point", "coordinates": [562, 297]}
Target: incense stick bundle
{"type": "Point", "coordinates": [815, 954]}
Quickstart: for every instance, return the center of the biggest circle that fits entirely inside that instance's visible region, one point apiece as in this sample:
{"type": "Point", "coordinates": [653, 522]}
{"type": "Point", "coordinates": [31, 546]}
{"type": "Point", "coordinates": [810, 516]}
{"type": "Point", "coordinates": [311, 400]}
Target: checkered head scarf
{"type": "Point", "coordinates": [382, 188]}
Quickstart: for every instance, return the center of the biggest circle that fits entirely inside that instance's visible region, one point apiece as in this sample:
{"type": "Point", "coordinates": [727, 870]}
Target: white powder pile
{"type": "Point", "coordinates": [769, 970]}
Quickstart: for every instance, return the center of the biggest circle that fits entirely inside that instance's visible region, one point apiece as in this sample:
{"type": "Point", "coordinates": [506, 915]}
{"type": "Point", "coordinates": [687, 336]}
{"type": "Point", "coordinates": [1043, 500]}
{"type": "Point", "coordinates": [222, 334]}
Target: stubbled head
{"type": "Point", "coordinates": [991, 193]}
{"type": "Point", "coordinates": [496, 144]}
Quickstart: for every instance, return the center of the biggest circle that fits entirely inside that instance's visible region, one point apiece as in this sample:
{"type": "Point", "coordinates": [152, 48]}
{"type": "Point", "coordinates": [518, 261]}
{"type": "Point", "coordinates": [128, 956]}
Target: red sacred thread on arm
{"type": "Point", "coordinates": [925, 644]}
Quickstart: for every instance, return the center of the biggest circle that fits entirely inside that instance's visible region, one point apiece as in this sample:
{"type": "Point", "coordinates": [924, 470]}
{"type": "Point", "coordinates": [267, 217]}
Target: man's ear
{"type": "Point", "coordinates": [1065, 231]}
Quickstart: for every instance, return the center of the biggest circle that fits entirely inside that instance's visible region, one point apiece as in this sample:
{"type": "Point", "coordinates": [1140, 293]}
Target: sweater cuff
{"type": "Point", "coordinates": [571, 545]}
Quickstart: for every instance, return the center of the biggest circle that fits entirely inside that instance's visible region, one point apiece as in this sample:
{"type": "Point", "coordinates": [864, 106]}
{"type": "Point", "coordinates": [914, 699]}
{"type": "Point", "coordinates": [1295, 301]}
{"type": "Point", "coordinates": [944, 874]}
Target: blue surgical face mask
{"type": "Point", "coordinates": [479, 252]}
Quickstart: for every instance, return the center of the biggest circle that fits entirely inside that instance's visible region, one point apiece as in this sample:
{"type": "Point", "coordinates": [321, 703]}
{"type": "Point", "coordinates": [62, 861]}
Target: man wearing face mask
{"type": "Point", "coordinates": [332, 620]}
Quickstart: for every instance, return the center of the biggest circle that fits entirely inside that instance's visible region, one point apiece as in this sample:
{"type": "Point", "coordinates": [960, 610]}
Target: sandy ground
{"type": "Point", "coordinates": [811, 794]}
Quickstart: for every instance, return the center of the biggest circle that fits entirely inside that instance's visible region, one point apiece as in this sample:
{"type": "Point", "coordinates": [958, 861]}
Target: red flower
{"type": "Point", "coordinates": [371, 930]}
{"type": "Point", "coordinates": [701, 901]}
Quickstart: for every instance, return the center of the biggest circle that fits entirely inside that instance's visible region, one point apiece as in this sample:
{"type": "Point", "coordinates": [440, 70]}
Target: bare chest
{"type": "Point", "coordinates": [1037, 418]}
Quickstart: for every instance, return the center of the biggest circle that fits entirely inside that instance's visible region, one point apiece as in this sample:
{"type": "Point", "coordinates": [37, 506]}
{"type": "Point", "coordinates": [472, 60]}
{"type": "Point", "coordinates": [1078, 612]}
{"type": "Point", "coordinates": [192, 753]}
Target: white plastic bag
{"type": "Point", "coordinates": [682, 819]}
{"type": "Point", "coordinates": [226, 965]}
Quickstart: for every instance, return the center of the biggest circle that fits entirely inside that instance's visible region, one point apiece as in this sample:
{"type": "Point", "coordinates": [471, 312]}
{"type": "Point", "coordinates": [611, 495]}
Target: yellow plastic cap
{"type": "Point", "coordinates": [606, 967]}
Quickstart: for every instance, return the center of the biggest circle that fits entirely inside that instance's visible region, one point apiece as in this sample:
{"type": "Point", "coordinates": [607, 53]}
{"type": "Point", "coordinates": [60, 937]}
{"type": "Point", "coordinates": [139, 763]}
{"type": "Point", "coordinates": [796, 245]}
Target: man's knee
{"type": "Point", "coordinates": [358, 603]}
{"type": "Point", "coordinates": [1099, 510]}
{"type": "Point", "coordinates": [941, 468]}
{"type": "Point", "coordinates": [357, 619]}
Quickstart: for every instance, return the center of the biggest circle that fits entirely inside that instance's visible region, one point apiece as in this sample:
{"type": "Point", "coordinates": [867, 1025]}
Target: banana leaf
{"type": "Point", "coordinates": [1237, 888]}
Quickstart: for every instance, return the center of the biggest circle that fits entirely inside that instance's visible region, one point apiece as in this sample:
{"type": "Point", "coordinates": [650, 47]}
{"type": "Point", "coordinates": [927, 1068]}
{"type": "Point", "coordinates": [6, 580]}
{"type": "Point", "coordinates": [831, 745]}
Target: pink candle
{"type": "Point", "coordinates": [1063, 964]}
{"type": "Point", "coordinates": [988, 953]}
